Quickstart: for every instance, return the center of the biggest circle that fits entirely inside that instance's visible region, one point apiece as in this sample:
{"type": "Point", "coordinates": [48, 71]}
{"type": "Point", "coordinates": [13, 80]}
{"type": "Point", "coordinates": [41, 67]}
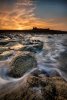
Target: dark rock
{"type": "Point", "coordinates": [17, 46]}
{"type": "Point", "coordinates": [36, 73]}
{"type": "Point", "coordinates": [4, 41]}
{"type": "Point", "coordinates": [2, 36]}
{"type": "Point", "coordinates": [22, 63]}
{"type": "Point", "coordinates": [33, 45]}
{"type": "Point", "coordinates": [49, 36]}
{"type": "Point", "coordinates": [5, 55]}
{"type": "Point", "coordinates": [38, 88]}
{"type": "Point", "coordinates": [2, 49]}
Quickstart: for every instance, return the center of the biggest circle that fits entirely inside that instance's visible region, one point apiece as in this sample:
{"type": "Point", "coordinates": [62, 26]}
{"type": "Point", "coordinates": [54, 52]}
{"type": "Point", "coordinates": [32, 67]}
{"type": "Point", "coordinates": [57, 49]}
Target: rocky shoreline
{"type": "Point", "coordinates": [24, 80]}
{"type": "Point", "coordinates": [38, 87]}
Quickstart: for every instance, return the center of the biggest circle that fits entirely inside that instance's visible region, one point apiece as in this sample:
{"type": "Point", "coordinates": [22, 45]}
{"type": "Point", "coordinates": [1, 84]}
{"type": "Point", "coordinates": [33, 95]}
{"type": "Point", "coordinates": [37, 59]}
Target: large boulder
{"type": "Point", "coordinates": [45, 88]}
{"type": "Point", "coordinates": [22, 63]}
{"type": "Point", "coordinates": [36, 88]}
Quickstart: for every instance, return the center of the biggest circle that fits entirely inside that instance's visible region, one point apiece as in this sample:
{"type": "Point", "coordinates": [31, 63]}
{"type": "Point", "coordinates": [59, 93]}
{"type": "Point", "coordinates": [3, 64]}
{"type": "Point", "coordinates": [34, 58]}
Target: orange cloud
{"type": "Point", "coordinates": [22, 16]}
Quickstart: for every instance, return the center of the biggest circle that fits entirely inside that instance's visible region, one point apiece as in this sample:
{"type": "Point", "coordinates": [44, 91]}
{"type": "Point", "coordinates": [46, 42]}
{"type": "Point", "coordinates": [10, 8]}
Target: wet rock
{"type": "Point", "coordinates": [61, 87]}
{"type": "Point", "coordinates": [4, 41]}
{"type": "Point", "coordinates": [17, 46]}
{"type": "Point", "coordinates": [33, 45]}
{"type": "Point", "coordinates": [36, 72]}
{"type": "Point", "coordinates": [2, 36]}
{"type": "Point", "coordinates": [49, 36]}
{"type": "Point", "coordinates": [22, 63]}
{"type": "Point", "coordinates": [2, 49]}
{"type": "Point", "coordinates": [44, 88]}
{"type": "Point", "coordinates": [26, 45]}
{"type": "Point", "coordinates": [10, 44]}
{"type": "Point", "coordinates": [38, 88]}
{"type": "Point", "coordinates": [5, 55]}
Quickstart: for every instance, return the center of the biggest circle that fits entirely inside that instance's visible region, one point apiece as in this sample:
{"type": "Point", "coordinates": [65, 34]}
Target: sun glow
{"type": "Point", "coordinates": [20, 28]}
{"type": "Point", "coordinates": [22, 16]}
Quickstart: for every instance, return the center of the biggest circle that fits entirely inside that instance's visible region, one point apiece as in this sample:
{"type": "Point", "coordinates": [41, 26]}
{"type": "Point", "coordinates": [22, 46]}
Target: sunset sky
{"type": "Point", "coordinates": [25, 14]}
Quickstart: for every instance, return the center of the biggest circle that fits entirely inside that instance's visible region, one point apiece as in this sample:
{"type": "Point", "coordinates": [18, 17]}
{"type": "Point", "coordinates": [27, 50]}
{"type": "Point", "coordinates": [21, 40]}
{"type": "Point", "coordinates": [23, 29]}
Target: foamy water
{"type": "Point", "coordinates": [47, 61]}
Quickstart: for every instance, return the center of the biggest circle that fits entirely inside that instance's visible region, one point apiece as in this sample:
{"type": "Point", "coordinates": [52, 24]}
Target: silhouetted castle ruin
{"type": "Point", "coordinates": [34, 30]}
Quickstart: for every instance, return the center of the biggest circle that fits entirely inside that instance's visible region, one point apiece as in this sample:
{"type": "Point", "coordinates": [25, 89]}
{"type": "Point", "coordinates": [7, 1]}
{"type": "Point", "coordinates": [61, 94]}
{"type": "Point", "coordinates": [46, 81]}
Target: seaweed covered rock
{"type": "Point", "coordinates": [46, 88]}
{"type": "Point", "coordinates": [41, 88]}
{"type": "Point", "coordinates": [22, 63]}
{"type": "Point", "coordinates": [36, 88]}
{"type": "Point", "coordinates": [61, 87]}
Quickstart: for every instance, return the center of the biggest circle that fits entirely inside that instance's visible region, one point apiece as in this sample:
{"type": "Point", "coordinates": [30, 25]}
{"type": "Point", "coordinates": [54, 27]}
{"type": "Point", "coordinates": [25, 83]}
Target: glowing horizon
{"type": "Point", "coordinates": [26, 14]}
